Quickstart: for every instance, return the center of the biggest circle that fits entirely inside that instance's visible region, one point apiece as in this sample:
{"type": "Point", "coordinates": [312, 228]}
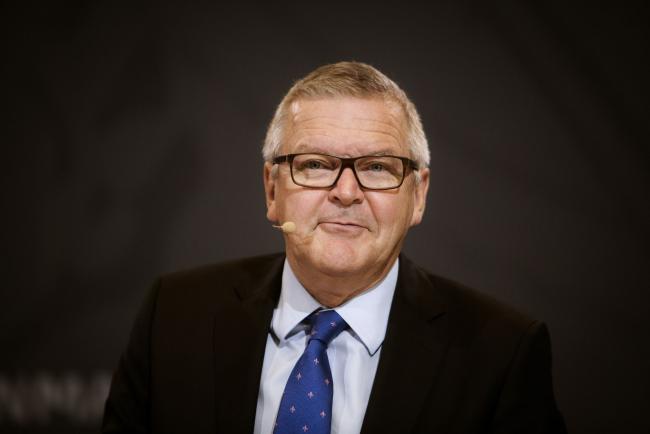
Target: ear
{"type": "Point", "coordinates": [269, 192]}
{"type": "Point", "coordinates": [420, 193]}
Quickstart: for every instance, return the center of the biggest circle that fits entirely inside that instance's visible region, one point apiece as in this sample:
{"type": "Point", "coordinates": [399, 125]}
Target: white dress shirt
{"type": "Point", "coordinates": [353, 355]}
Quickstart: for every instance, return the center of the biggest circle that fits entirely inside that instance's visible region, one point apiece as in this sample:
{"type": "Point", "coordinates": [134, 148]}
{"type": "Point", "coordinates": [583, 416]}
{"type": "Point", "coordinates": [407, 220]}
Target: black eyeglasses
{"type": "Point", "coordinates": [373, 172]}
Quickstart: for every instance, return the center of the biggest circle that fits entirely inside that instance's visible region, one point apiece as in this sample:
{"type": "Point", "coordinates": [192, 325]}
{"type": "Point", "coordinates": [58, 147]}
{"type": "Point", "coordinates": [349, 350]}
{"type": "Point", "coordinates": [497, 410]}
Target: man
{"type": "Point", "coordinates": [341, 333]}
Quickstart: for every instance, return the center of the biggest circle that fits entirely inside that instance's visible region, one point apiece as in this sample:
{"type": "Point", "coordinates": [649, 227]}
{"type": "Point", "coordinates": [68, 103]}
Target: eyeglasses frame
{"type": "Point", "coordinates": [407, 164]}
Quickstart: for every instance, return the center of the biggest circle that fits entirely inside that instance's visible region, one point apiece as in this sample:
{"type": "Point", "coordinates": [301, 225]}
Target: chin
{"type": "Point", "coordinates": [337, 259]}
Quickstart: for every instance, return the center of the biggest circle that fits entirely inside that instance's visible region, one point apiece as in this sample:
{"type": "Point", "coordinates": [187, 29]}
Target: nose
{"type": "Point", "coordinates": [347, 190]}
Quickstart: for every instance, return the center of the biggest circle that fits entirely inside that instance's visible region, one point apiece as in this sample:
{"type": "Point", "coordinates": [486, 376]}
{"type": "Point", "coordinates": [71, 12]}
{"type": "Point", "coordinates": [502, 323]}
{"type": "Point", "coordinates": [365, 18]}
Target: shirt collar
{"type": "Point", "coordinates": [294, 306]}
{"type": "Point", "coordinates": [366, 313]}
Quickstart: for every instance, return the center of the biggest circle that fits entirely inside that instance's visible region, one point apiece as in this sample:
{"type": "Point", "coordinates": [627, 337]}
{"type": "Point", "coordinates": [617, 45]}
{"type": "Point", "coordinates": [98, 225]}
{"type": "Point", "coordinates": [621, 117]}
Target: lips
{"type": "Point", "coordinates": [341, 223]}
{"type": "Point", "coordinates": [341, 226]}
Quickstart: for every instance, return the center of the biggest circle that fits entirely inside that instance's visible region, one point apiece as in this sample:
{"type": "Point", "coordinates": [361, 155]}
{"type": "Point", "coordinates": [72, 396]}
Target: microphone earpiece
{"type": "Point", "coordinates": [287, 227]}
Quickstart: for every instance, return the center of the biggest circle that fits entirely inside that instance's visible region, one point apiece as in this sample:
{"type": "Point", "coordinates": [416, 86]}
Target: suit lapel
{"type": "Point", "coordinates": [239, 349]}
{"type": "Point", "coordinates": [415, 342]}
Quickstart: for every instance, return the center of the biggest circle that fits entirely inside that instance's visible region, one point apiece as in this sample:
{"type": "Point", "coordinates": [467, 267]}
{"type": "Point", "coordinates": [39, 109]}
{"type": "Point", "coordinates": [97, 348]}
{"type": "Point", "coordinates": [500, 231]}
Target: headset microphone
{"type": "Point", "coordinates": [287, 227]}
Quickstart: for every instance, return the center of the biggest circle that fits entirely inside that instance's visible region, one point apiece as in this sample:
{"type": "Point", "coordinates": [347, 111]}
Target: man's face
{"type": "Point", "coordinates": [344, 230]}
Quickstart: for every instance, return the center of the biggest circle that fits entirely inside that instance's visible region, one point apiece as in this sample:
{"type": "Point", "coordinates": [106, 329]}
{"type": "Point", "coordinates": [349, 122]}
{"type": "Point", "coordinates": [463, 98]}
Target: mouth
{"type": "Point", "coordinates": [341, 227]}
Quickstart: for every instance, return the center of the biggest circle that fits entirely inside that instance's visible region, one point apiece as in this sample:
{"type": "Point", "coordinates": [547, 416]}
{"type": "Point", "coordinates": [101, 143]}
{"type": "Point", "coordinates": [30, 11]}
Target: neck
{"type": "Point", "coordinates": [332, 290]}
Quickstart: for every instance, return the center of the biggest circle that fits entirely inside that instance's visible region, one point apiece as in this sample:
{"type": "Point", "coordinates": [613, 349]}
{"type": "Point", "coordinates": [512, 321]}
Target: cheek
{"type": "Point", "coordinates": [301, 205]}
{"type": "Point", "coordinates": [392, 213]}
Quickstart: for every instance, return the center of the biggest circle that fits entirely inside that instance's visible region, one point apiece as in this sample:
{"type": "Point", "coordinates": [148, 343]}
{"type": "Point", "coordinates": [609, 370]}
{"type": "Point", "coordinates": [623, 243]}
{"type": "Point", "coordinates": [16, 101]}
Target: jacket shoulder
{"type": "Point", "coordinates": [238, 279]}
{"type": "Point", "coordinates": [232, 271]}
{"type": "Point", "coordinates": [494, 362]}
{"type": "Point", "coordinates": [469, 311]}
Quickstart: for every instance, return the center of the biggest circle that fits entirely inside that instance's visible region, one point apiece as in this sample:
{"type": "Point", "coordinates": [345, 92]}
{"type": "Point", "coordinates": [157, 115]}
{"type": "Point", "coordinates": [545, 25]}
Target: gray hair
{"type": "Point", "coordinates": [353, 79]}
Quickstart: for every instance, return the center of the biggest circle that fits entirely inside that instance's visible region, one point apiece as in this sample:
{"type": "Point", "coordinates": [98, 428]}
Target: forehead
{"type": "Point", "coordinates": [345, 126]}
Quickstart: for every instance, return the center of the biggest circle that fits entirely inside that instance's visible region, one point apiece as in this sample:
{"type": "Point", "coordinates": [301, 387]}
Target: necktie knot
{"type": "Point", "coordinates": [326, 325]}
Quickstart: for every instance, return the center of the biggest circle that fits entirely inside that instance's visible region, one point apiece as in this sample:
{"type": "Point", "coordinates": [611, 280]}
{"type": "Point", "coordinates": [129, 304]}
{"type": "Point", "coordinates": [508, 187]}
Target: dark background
{"type": "Point", "coordinates": [131, 142]}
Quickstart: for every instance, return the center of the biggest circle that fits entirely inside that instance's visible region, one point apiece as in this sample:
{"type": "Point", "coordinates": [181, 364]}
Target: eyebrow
{"type": "Point", "coordinates": [308, 148]}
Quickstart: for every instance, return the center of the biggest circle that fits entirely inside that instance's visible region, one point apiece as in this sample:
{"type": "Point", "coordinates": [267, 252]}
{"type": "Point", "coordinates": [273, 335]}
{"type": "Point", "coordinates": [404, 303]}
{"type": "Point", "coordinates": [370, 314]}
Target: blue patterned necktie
{"type": "Point", "coordinates": [306, 405]}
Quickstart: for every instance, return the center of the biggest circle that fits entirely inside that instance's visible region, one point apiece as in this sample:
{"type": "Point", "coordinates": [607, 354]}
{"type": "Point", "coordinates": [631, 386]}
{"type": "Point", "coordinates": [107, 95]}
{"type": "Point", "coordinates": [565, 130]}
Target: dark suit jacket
{"type": "Point", "coordinates": [453, 361]}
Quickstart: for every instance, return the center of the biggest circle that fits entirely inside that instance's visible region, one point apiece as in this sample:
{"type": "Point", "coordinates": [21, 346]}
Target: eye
{"type": "Point", "coordinates": [313, 164]}
{"type": "Point", "coordinates": [374, 166]}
